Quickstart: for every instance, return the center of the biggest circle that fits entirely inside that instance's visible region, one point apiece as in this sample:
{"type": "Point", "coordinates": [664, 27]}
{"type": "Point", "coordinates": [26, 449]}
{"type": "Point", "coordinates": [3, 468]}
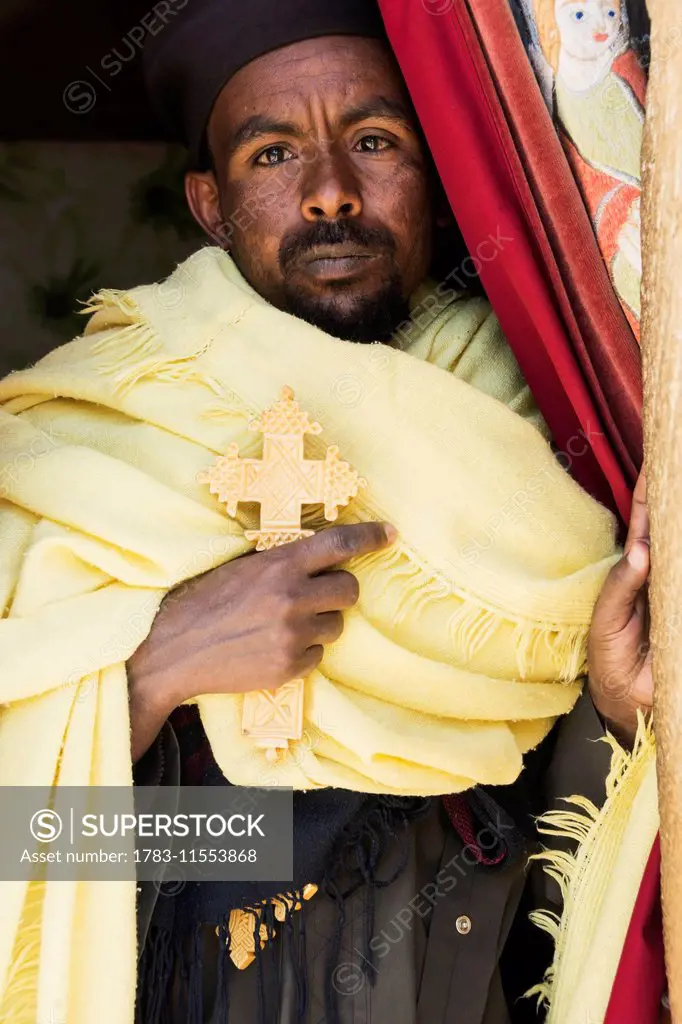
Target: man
{"type": "Point", "coordinates": [309, 167]}
{"type": "Point", "coordinates": [325, 126]}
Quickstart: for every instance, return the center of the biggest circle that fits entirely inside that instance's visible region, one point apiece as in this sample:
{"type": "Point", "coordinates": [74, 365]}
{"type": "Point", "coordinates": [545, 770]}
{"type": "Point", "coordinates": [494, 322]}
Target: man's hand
{"type": "Point", "coordinates": [619, 655]}
{"type": "Point", "coordinates": [251, 624]}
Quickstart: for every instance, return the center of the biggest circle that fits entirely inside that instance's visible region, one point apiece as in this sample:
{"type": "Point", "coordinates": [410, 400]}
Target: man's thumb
{"type": "Point", "coordinates": [624, 582]}
{"type": "Point", "coordinates": [638, 557]}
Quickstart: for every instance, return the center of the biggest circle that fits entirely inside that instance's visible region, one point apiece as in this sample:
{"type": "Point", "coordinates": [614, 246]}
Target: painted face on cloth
{"type": "Point", "coordinates": [588, 28]}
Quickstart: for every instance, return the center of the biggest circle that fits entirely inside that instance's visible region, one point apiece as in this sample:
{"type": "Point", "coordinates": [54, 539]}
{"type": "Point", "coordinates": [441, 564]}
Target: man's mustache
{"type": "Point", "coordinates": [332, 232]}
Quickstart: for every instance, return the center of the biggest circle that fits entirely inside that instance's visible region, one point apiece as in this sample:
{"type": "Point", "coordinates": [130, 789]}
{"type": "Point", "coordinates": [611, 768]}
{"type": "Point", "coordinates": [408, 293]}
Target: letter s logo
{"type": "Point", "coordinates": [46, 826]}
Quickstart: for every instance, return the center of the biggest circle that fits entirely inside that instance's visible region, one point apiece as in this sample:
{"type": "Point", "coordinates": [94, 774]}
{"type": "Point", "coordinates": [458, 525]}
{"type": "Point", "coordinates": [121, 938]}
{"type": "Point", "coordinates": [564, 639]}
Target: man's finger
{"type": "Point", "coordinates": [326, 628]}
{"type": "Point", "coordinates": [639, 516]}
{"type": "Point", "coordinates": [333, 591]}
{"type": "Point", "coordinates": [332, 547]}
{"type": "Point", "coordinates": [309, 661]}
{"type": "Point", "coordinates": [617, 600]}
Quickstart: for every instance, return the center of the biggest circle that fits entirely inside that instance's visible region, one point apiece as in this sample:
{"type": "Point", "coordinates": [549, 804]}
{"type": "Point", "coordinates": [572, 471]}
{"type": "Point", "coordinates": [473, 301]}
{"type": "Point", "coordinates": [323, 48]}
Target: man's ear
{"type": "Point", "coordinates": [203, 199]}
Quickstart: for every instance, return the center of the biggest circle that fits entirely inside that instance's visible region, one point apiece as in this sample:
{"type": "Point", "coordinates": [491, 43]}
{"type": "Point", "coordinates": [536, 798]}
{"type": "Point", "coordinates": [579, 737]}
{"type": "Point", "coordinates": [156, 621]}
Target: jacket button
{"type": "Point", "coordinates": [463, 924]}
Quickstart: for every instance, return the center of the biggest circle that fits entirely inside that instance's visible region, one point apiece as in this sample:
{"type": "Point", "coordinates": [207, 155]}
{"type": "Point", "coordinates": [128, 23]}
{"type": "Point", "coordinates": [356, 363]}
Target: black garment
{"type": "Point", "coordinates": [207, 41]}
{"type": "Point", "coordinates": [421, 969]}
{"type": "Point", "coordinates": [450, 941]}
{"type": "Point", "coordinates": [343, 842]}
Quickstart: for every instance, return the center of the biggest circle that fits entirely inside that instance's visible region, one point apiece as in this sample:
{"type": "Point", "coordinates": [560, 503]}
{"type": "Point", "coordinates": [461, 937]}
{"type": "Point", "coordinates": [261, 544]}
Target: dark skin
{"type": "Point", "coordinates": [318, 140]}
{"type": "Point", "coordinates": [319, 136]}
{"type": "Point", "coordinates": [254, 623]}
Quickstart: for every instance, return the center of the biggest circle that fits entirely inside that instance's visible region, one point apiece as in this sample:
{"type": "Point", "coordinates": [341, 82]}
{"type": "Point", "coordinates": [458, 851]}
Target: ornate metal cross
{"type": "Point", "coordinates": [282, 482]}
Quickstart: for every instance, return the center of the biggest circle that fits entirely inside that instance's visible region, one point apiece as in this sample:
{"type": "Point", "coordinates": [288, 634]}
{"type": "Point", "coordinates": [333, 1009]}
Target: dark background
{"type": "Point", "coordinates": [45, 45]}
{"type": "Point", "coordinates": [91, 195]}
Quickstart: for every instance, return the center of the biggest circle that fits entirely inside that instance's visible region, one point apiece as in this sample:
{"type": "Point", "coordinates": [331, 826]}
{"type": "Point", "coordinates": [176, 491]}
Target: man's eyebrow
{"type": "Point", "coordinates": [379, 106]}
{"type": "Point", "coordinates": [258, 125]}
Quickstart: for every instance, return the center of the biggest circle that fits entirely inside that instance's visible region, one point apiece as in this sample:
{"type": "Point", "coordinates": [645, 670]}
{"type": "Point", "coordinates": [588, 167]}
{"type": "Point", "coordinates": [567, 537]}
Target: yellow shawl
{"type": "Point", "coordinates": [470, 635]}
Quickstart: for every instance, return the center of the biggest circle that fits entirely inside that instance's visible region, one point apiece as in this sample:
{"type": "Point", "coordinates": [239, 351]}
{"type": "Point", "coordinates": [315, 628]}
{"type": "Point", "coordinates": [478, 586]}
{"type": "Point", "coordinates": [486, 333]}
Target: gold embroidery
{"type": "Point", "coordinates": [243, 923]}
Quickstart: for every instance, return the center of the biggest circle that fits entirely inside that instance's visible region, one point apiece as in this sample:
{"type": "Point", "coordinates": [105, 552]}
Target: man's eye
{"type": "Point", "coordinates": [372, 144]}
{"type": "Point", "coordinates": [273, 155]}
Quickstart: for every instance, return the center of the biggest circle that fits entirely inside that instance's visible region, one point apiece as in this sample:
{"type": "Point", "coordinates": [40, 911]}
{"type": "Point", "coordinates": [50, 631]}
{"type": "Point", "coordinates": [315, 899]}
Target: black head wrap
{"type": "Point", "coordinates": [207, 41]}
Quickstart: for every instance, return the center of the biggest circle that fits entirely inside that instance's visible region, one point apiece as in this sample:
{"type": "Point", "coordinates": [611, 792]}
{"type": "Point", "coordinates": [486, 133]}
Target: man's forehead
{"type": "Point", "coordinates": [338, 71]}
{"type": "Point", "coordinates": [212, 41]}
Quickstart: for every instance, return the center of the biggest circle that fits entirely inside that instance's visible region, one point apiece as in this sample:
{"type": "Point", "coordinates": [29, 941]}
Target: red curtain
{"type": "Point", "coordinates": [502, 175]}
{"type": "Point", "coordinates": [640, 982]}
{"type": "Point", "coordinates": [526, 228]}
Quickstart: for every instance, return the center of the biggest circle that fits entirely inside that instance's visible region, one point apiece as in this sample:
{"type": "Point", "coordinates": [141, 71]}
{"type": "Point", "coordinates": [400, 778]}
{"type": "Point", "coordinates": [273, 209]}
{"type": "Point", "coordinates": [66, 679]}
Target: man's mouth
{"type": "Point", "coordinates": [337, 262]}
{"type": "Point", "coordinates": [601, 37]}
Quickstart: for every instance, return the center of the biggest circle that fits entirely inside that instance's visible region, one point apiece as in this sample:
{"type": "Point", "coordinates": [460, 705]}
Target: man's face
{"type": "Point", "coordinates": [321, 189]}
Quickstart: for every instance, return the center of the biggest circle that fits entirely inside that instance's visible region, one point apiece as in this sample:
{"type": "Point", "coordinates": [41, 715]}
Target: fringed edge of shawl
{"type": "Point", "coordinates": [473, 623]}
{"type": "Point", "coordinates": [130, 350]}
{"type": "Point", "coordinates": [584, 824]}
{"type": "Point", "coordinates": [20, 995]}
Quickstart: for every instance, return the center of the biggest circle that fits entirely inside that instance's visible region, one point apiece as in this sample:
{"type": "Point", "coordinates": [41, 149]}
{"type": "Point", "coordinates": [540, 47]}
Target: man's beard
{"type": "Point", "coordinates": [364, 319]}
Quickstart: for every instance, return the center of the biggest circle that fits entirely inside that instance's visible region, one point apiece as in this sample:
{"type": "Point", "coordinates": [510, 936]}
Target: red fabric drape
{"type": "Point", "coordinates": [601, 337]}
{"type": "Point", "coordinates": [457, 102]}
{"type": "Point", "coordinates": [640, 981]}
{"type": "Point", "coordinates": [508, 183]}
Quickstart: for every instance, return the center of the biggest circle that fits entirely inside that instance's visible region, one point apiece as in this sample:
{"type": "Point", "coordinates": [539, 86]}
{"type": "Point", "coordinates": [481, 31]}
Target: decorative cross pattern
{"type": "Point", "coordinates": [281, 482]}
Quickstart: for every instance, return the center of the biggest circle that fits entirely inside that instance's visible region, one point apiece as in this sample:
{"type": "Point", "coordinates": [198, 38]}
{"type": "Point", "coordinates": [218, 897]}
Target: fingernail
{"type": "Point", "coordinates": [391, 532]}
{"type": "Point", "coordinates": [637, 556]}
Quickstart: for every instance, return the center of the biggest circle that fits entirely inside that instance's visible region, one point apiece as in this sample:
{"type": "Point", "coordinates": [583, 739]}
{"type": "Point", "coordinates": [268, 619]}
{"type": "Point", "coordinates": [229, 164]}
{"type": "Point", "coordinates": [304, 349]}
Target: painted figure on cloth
{"type": "Point", "coordinates": [599, 92]}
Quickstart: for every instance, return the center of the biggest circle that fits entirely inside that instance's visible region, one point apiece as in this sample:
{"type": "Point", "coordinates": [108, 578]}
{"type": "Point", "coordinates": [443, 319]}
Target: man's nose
{"type": "Point", "coordinates": [331, 189]}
